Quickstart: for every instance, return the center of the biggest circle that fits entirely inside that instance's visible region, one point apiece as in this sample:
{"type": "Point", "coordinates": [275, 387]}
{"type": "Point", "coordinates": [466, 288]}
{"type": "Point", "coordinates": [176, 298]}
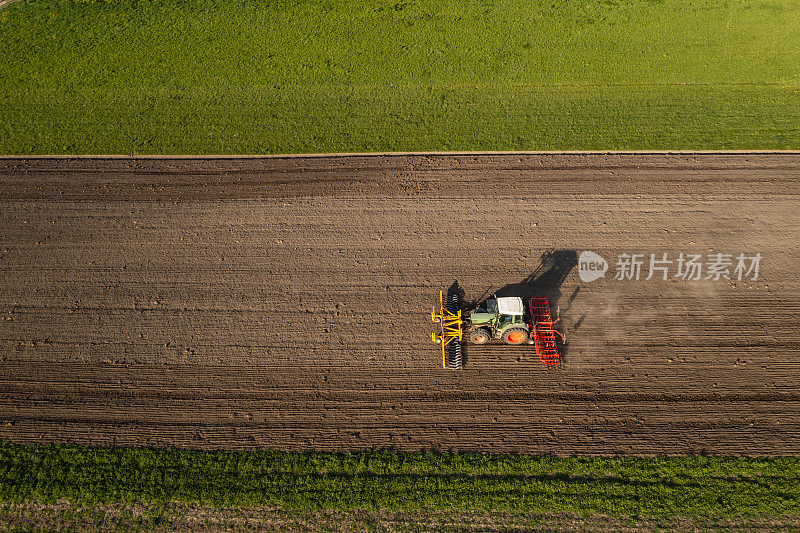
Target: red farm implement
{"type": "Point", "coordinates": [543, 332]}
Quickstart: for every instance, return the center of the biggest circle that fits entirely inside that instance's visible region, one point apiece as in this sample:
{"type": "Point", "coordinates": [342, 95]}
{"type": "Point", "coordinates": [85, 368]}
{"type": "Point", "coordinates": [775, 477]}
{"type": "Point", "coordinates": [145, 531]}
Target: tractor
{"type": "Point", "coordinates": [521, 314]}
{"type": "Point", "coordinates": [499, 318]}
{"type": "Point", "coordinates": [503, 318]}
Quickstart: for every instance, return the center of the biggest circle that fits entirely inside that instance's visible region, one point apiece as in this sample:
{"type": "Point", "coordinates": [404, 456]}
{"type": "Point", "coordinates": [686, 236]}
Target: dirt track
{"type": "Point", "coordinates": [283, 303]}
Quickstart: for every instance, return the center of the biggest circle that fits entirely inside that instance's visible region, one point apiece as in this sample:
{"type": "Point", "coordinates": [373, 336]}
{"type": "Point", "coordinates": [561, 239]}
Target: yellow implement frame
{"type": "Point", "coordinates": [450, 326]}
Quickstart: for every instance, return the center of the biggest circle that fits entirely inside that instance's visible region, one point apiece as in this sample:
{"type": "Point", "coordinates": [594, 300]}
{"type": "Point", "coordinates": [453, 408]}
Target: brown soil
{"type": "Point", "coordinates": [284, 303]}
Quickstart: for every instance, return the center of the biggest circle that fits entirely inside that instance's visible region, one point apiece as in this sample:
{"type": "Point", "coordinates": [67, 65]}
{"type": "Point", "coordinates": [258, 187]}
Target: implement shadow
{"type": "Point", "coordinates": [546, 280]}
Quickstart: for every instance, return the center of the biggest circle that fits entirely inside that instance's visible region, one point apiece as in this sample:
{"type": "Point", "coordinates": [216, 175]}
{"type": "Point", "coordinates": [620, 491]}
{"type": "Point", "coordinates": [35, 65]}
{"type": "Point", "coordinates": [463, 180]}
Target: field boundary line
{"type": "Point", "coordinates": [401, 154]}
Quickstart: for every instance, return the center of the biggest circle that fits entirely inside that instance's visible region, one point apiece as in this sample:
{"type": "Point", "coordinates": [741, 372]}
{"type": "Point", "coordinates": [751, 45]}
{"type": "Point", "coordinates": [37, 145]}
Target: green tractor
{"type": "Point", "coordinates": [499, 318]}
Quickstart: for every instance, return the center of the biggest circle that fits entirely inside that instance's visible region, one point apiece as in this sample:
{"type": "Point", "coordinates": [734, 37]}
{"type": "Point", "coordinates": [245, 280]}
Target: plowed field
{"type": "Point", "coordinates": [284, 302]}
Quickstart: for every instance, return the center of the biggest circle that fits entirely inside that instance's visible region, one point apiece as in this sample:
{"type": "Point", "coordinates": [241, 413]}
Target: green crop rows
{"type": "Point", "coordinates": [665, 487]}
{"type": "Point", "coordinates": [293, 76]}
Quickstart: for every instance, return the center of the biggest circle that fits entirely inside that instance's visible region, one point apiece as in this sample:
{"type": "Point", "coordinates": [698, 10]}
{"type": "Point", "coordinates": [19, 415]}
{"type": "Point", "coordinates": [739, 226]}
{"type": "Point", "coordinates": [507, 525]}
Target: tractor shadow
{"type": "Point", "coordinates": [546, 280]}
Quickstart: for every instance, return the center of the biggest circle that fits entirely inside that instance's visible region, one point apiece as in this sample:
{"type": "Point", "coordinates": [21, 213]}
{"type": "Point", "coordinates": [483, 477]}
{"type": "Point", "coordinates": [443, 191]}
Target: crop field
{"type": "Point", "coordinates": [312, 76]}
{"type": "Point", "coordinates": [78, 486]}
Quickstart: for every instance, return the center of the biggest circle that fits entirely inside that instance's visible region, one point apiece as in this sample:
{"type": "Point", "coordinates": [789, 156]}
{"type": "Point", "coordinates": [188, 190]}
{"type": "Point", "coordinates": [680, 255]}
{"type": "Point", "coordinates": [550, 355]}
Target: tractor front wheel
{"type": "Point", "coordinates": [515, 336]}
{"type": "Point", "coordinates": [480, 336]}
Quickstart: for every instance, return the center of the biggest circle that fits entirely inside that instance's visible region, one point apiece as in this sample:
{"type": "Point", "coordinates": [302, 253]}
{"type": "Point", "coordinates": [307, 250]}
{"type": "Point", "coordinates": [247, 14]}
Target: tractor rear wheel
{"type": "Point", "coordinates": [480, 336]}
{"type": "Point", "coordinates": [515, 336]}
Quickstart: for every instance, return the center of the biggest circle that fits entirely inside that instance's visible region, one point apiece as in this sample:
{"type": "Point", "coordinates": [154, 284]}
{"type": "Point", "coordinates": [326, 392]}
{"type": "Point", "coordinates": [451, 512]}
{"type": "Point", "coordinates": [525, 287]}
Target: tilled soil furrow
{"type": "Point", "coordinates": [285, 302]}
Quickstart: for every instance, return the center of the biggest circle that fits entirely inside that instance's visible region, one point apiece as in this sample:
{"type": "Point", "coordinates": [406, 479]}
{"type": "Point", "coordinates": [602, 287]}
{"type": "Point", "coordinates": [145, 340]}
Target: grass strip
{"type": "Point", "coordinates": [617, 487]}
{"type": "Point", "coordinates": [259, 76]}
{"type": "Point", "coordinates": [64, 516]}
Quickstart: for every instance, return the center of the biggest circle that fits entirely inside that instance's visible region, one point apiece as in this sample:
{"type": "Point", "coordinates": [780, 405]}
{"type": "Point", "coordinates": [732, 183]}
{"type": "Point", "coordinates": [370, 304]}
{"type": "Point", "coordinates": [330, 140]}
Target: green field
{"type": "Point", "coordinates": [615, 487]}
{"type": "Point", "coordinates": [299, 76]}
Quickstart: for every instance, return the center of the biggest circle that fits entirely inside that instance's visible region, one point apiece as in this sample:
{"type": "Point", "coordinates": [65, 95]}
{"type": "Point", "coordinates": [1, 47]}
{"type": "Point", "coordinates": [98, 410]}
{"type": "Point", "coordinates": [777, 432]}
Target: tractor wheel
{"type": "Point", "coordinates": [480, 336]}
{"type": "Point", "coordinates": [515, 336]}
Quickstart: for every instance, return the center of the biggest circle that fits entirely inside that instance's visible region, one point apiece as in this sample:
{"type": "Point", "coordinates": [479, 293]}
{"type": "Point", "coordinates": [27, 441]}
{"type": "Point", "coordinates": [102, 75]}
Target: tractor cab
{"type": "Point", "coordinates": [510, 306]}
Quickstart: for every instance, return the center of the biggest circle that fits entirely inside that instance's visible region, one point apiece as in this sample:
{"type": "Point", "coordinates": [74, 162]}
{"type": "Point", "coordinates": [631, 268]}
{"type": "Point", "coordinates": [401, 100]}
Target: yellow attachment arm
{"type": "Point", "coordinates": [450, 326]}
